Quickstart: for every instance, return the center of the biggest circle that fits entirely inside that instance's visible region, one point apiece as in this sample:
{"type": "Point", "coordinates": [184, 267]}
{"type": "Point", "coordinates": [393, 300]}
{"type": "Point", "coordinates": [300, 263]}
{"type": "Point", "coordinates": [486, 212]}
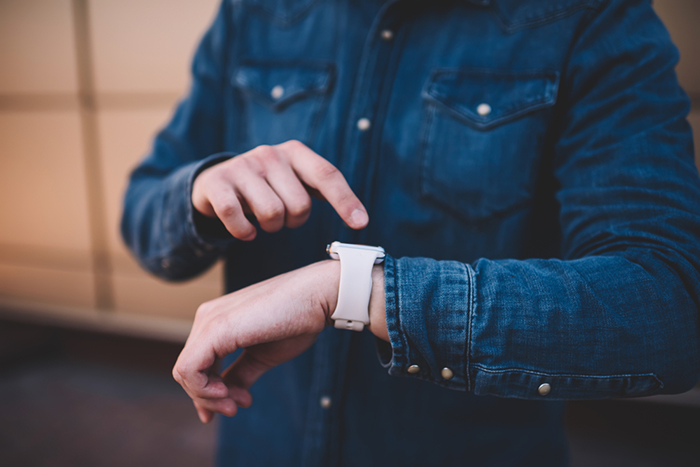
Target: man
{"type": "Point", "coordinates": [527, 167]}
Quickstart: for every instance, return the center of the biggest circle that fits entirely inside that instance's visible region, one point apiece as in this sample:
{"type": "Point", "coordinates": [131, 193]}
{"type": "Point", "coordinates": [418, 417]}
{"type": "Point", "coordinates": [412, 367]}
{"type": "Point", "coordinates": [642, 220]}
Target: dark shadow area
{"type": "Point", "coordinates": [631, 433]}
{"type": "Point", "coordinates": [72, 398]}
{"type": "Point", "coordinates": [76, 398]}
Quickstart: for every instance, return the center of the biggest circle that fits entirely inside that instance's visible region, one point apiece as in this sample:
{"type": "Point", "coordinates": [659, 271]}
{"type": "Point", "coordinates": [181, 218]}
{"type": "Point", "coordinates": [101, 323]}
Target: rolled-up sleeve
{"type": "Point", "coordinates": [617, 314]}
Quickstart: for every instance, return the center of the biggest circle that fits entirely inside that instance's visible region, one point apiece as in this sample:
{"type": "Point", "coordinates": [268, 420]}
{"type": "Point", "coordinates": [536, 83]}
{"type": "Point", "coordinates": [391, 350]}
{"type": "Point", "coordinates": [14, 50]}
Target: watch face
{"type": "Point", "coordinates": [332, 249]}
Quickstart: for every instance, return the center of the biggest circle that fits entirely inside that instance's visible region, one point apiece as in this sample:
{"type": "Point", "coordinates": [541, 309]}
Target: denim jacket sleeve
{"type": "Point", "coordinates": [617, 315]}
{"type": "Point", "coordinates": [158, 222]}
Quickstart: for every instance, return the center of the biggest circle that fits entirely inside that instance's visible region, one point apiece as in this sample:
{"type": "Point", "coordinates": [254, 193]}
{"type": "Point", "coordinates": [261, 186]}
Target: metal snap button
{"type": "Point", "coordinates": [483, 109]}
{"type": "Point", "coordinates": [363, 124]}
{"type": "Point", "coordinates": [387, 34]}
{"type": "Point", "coordinates": [277, 92]}
{"type": "Point", "coordinates": [544, 389]}
{"type": "Point", "coordinates": [413, 369]}
{"type": "Point", "coordinates": [325, 402]}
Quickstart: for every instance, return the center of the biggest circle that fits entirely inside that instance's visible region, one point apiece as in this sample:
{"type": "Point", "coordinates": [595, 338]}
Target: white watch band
{"type": "Point", "coordinates": [356, 261]}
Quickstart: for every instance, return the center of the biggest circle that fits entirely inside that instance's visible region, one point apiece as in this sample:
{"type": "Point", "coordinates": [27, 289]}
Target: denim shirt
{"type": "Point", "coordinates": [528, 168]}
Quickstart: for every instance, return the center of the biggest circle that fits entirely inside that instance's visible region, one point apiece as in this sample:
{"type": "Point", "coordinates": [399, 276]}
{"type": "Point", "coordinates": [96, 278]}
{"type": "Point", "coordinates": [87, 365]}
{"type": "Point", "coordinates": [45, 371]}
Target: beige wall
{"type": "Point", "coordinates": [51, 230]}
{"type": "Point", "coordinates": [65, 162]}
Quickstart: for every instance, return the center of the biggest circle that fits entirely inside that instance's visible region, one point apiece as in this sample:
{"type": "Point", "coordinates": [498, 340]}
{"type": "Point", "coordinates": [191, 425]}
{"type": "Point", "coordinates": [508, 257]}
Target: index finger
{"type": "Point", "coordinates": [321, 175]}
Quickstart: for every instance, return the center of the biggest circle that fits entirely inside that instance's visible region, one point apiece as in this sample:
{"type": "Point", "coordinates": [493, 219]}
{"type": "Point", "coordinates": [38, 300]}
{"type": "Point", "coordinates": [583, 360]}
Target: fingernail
{"type": "Point", "coordinates": [359, 218]}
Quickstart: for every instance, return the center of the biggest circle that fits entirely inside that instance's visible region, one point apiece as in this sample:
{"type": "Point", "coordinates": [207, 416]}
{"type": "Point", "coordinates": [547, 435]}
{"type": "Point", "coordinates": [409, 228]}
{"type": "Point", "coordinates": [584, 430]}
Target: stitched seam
{"type": "Point", "coordinates": [324, 101]}
{"type": "Point", "coordinates": [424, 147]}
{"type": "Point", "coordinates": [357, 89]}
{"type": "Point", "coordinates": [397, 301]}
{"type": "Point", "coordinates": [471, 304]}
{"type": "Point", "coordinates": [521, 108]}
{"type": "Point", "coordinates": [512, 113]}
{"type": "Point", "coordinates": [566, 375]}
{"type": "Point", "coordinates": [249, 88]}
{"type": "Point", "coordinates": [387, 88]}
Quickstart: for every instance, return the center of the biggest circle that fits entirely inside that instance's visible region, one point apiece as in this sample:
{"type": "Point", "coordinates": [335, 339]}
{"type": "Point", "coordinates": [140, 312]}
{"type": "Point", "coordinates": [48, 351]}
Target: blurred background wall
{"type": "Point", "coordinates": [84, 84]}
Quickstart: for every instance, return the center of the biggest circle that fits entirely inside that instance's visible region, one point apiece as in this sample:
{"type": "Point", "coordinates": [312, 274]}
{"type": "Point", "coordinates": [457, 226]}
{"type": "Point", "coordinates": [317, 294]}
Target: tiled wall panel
{"type": "Point", "coordinates": [42, 181]}
{"type": "Point", "coordinates": [61, 287]}
{"type": "Point", "coordinates": [146, 45]}
{"type": "Point", "coordinates": [125, 138]}
{"type": "Point", "coordinates": [37, 49]}
{"type": "Point", "coordinates": [145, 295]}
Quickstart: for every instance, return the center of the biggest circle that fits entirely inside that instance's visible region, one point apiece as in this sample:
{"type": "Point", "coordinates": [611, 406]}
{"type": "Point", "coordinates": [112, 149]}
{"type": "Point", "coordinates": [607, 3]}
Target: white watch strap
{"type": "Point", "coordinates": [356, 261]}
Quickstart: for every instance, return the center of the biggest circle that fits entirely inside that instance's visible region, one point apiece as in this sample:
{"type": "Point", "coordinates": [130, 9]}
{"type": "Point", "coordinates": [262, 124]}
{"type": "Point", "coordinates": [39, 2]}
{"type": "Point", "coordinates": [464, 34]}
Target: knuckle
{"type": "Point", "coordinates": [263, 148]}
{"type": "Point", "coordinates": [293, 144]}
{"type": "Point", "coordinates": [235, 163]}
{"type": "Point", "coordinates": [326, 172]}
{"type": "Point", "coordinates": [267, 155]}
{"type": "Point", "coordinates": [272, 211]}
{"type": "Point", "coordinates": [180, 373]}
{"type": "Point", "coordinates": [346, 197]}
{"type": "Point", "coordinates": [204, 309]}
{"type": "Point", "coordinates": [300, 208]}
{"type": "Point", "coordinates": [254, 165]}
{"type": "Point", "coordinates": [228, 209]}
{"type": "Point", "coordinates": [249, 162]}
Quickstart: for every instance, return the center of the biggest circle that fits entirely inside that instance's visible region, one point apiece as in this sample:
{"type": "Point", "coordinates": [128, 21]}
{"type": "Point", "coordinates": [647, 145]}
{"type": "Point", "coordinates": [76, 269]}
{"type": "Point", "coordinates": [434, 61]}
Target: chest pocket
{"type": "Point", "coordinates": [283, 101]}
{"type": "Point", "coordinates": [483, 135]}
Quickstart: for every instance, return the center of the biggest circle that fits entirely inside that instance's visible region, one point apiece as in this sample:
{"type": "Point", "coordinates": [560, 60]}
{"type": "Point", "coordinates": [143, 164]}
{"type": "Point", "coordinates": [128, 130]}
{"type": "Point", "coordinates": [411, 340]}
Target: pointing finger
{"type": "Point", "coordinates": [321, 175]}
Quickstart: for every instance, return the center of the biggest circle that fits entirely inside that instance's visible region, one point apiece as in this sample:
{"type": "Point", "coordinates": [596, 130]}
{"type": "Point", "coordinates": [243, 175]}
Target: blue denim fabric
{"type": "Point", "coordinates": [552, 236]}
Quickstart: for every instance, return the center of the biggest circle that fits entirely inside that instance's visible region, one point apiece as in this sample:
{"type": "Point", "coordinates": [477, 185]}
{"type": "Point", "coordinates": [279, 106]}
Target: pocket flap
{"type": "Point", "coordinates": [278, 85]}
{"type": "Point", "coordinates": [485, 98]}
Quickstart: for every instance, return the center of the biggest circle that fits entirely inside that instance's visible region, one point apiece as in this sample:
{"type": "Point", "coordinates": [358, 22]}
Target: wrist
{"type": "Point", "coordinates": [330, 281]}
{"type": "Point", "coordinates": [377, 306]}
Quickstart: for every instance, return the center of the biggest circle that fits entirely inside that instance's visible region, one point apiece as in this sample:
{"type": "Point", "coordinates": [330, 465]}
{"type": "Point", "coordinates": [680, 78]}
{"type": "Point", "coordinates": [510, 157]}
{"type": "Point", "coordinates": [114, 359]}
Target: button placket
{"type": "Point", "coordinates": [368, 102]}
{"type": "Point", "coordinates": [364, 124]}
{"type": "Point", "coordinates": [325, 402]}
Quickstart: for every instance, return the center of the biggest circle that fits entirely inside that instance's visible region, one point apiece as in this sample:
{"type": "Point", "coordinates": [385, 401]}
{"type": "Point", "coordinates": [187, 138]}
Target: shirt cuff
{"type": "Point", "coordinates": [182, 248]}
{"type": "Point", "coordinates": [429, 306]}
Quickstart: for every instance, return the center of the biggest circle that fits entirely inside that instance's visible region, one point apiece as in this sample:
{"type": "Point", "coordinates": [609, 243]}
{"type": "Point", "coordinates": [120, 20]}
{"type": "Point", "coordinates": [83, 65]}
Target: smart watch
{"type": "Point", "coordinates": [356, 261]}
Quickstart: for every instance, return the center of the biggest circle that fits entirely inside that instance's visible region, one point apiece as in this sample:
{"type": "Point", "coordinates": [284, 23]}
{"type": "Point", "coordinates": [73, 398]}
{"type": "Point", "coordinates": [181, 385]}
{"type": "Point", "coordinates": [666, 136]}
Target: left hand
{"type": "Point", "coordinates": [274, 321]}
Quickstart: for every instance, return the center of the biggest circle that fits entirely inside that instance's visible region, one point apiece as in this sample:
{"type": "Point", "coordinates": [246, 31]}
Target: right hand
{"type": "Point", "coordinates": [274, 184]}
{"type": "Point", "coordinates": [274, 321]}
